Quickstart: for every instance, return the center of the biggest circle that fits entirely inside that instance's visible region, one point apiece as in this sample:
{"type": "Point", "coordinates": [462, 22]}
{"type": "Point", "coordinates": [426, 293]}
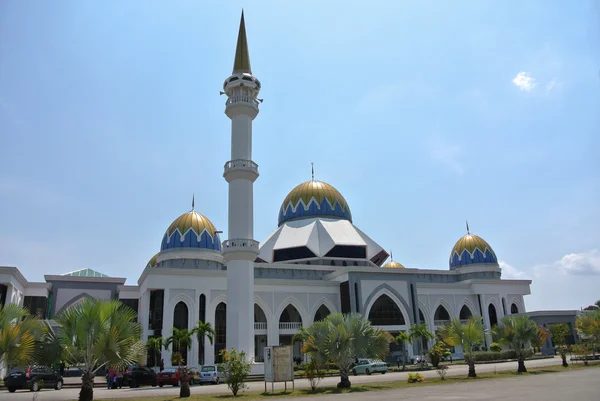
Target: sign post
{"type": "Point", "coordinates": [279, 366]}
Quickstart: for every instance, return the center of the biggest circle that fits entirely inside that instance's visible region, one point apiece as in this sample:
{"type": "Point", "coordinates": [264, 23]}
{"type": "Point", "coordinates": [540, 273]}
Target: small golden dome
{"type": "Point", "coordinates": [314, 199]}
{"type": "Point", "coordinates": [471, 249]}
{"type": "Point", "coordinates": [393, 265]}
{"type": "Point", "coordinates": [152, 262]}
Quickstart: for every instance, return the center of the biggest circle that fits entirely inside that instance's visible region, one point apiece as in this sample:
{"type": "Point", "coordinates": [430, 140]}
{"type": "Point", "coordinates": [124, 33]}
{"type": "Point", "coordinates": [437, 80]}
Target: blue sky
{"type": "Point", "coordinates": [423, 114]}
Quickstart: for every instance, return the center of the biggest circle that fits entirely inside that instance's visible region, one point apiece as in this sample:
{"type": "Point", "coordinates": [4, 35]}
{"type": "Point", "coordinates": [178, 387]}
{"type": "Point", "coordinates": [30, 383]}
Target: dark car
{"type": "Point", "coordinates": [33, 378]}
{"type": "Point", "coordinates": [137, 375]}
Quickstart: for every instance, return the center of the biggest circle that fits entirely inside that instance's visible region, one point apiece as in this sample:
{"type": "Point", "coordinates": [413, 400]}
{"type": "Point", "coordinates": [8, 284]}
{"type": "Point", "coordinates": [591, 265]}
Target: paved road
{"type": "Point", "coordinates": [102, 393]}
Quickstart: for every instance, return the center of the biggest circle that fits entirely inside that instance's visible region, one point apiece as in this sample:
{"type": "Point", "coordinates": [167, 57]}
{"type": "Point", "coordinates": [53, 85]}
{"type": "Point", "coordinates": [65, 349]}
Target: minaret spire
{"type": "Point", "coordinates": [242, 57]}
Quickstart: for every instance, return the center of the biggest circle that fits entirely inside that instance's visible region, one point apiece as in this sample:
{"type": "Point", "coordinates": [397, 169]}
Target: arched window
{"type": "Point", "coordinates": [202, 308]}
{"type": "Point", "coordinates": [504, 305]}
{"type": "Point", "coordinates": [290, 315]}
{"type": "Point", "coordinates": [465, 313]}
{"type": "Point", "coordinates": [180, 316]}
{"type": "Point", "coordinates": [321, 313]}
{"type": "Point", "coordinates": [441, 314]}
{"type": "Point", "coordinates": [493, 316]}
{"type": "Point", "coordinates": [421, 316]}
{"type": "Point", "coordinates": [180, 321]}
{"type": "Point", "coordinates": [514, 309]}
{"type": "Point", "coordinates": [259, 315]}
{"type": "Point", "coordinates": [220, 329]}
{"type": "Point", "coordinates": [385, 312]}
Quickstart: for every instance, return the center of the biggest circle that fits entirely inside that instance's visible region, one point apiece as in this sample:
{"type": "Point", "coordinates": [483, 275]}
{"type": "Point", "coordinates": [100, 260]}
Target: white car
{"type": "Point", "coordinates": [210, 374]}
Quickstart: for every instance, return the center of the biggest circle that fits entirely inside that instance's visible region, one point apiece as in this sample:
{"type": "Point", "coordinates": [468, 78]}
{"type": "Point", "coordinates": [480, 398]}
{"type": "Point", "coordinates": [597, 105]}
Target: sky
{"type": "Point", "coordinates": [423, 114]}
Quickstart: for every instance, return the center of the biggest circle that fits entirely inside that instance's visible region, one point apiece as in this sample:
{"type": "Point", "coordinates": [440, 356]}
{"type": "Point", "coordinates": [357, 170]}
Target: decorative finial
{"type": "Point", "coordinates": [468, 233]}
{"type": "Point", "coordinates": [193, 196]}
{"type": "Point", "coordinates": [312, 165]}
{"type": "Point", "coordinates": [242, 57]}
{"type": "Point", "coordinates": [391, 255]}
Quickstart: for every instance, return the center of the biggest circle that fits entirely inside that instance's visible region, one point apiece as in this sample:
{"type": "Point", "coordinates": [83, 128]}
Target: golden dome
{"type": "Point", "coordinates": [191, 230]}
{"type": "Point", "coordinates": [152, 261]}
{"type": "Point", "coordinates": [393, 265]}
{"type": "Point", "coordinates": [314, 198]}
{"type": "Point", "coordinates": [471, 249]}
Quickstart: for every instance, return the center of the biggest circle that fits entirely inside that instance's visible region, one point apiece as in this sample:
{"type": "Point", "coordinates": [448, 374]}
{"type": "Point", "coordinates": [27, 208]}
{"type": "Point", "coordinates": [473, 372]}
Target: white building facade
{"type": "Point", "coordinates": [314, 263]}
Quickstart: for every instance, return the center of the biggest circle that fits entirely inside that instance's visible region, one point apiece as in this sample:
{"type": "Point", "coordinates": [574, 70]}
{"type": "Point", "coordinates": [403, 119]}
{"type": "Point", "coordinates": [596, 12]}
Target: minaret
{"type": "Point", "coordinates": [240, 250]}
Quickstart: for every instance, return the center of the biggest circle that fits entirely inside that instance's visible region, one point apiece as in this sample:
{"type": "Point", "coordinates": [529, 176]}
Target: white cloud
{"type": "Point", "coordinates": [580, 264]}
{"type": "Point", "coordinates": [524, 81]}
{"type": "Point", "coordinates": [447, 154]}
{"type": "Point", "coordinates": [510, 272]}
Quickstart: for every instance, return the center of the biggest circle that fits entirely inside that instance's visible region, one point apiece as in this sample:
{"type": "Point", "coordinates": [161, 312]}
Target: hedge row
{"type": "Point", "coordinates": [486, 356]}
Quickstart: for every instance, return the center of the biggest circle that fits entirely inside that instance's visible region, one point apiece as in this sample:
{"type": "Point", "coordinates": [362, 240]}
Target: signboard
{"type": "Point", "coordinates": [278, 364]}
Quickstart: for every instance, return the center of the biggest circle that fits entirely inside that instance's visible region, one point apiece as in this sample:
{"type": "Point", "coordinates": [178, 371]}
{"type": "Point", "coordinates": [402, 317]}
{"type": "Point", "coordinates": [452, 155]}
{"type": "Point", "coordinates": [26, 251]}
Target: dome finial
{"type": "Point", "coordinates": [312, 166]}
{"type": "Point", "coordinates": [391, 255]}
{"type": "Point", "coordinates": [242, 57]}
{"type": "Point", "coordinates": [468, 233]}
{"type": "Point", "coordinates": [193, 201]}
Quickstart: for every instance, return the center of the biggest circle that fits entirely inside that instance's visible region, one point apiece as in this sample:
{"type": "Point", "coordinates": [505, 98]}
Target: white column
{"type": "Point", "coordinates": [209, 349]}
{"type": "Point", "coordinates": [486, 320]}
{"type": "Point", "coordinates": [193, 358]}
{"type": "Point", "coordinates": [167, 329]}
{"type": "Point", "coordinates": [144, 317]}
{"type": "Point", "coordinates": [240, 306]}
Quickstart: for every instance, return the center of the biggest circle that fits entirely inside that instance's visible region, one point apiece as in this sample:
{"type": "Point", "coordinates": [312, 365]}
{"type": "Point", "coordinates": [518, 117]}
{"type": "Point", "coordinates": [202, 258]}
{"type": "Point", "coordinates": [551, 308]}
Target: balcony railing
{"type": "Point", "coordinates": [242, 99]}
{"type": "Point", "coordinates": [440, 322]}
{"type": "Point", "coordinates": [289, 325]}
{"type": "Point", "coordinates": [241, 164]}
{"type": "Point", "coordinates": [260, 325]}
{"type": "Point", "coordinates": [240, 244]}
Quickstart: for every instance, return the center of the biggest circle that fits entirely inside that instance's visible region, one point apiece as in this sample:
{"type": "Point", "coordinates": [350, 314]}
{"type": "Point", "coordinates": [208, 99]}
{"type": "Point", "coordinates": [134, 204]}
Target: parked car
{"type": "Point", "coordinates": [33, 378]}
{"type": "Point", "coordinates": [368, 366]}
{"type": "Point", "coordinates": [172, 376]}
{"type": "Point", "coordinates": [137, 375]}
{"type": "Point", "coordinates": [210, 374]}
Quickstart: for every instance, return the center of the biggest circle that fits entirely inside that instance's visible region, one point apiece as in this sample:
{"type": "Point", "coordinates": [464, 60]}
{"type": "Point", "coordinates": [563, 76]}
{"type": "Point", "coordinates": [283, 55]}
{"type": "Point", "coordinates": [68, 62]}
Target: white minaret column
{"type": "Point", "coordinates": [240, 250]}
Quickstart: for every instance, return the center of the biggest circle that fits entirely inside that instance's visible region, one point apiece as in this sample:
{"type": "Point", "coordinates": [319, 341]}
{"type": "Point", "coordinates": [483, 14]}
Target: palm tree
{"type": "Point", "coordinates": [97, 333]}
{"type": "Point", "coordinates": [203, 330]}
{"type": "Point", "coordinates": [420, 332]}
{"type": "Point", "coordinates": [18, 331]}
{"type": "Point", "coordinates": [340, 338]}
{"type": "Point", "coordinates": [518, 332]}
{"type": "Point", "coordinates": [401, 339]}
{"type": "Point", "coordinates": [181, 339]}
{"type": "Point", "coordinates": [465, 335]}
{"type": "Point", "coordinates": [155, 345]}
{"type": "Point", "coordinates": [48, 347]}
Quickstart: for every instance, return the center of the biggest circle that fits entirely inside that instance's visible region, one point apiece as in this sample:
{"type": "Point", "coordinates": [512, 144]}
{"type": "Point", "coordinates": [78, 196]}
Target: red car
{"type": "Point", "coordinates": [172, 376]}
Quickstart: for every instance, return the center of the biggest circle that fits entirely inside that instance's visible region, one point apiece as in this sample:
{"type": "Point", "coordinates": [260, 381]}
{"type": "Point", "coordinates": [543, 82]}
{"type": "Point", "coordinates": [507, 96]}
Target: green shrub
{"type": "Point", "coordinates": [236, 368]}
{"type": "Point", "coordinates": [415, 378]}
{"type": "Point", "coordinates": [495, 347]}
{"type": "Point", "coordinates": [314, 373]}
{"type": "Point", "coordinates": [486, 356]}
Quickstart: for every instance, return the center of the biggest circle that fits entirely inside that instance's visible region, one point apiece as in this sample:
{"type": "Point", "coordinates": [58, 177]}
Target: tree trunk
{"type": "Point", "coordinates": [344, 380]}
{"type": "Point", "coordinates": [87, 387]}
{"type": "Point", "coordinates": [521, 365]}
{"type": "Point", "coordinates": [471, 364]}
{"type": "Point", "coordinates": [564, 361]}
{"type": "Point", "coordinates": [184, 389]}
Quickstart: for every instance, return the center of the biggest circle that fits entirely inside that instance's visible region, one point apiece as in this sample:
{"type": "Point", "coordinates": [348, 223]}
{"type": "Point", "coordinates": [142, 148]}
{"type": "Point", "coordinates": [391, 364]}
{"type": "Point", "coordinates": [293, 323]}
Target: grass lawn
{"type": "Point", "coordinates": [360, 388]}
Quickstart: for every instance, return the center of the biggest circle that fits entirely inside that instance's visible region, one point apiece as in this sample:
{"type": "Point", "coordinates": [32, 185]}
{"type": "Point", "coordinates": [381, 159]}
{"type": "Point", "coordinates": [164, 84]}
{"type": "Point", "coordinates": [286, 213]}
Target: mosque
{"type": "Point", "coordinates": [316, 261]}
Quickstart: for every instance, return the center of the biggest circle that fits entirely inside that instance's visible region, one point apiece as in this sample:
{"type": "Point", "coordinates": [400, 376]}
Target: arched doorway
{"type": "Point", "coordinates": [220, 329]}
{"type": "Point", "coordinates": [180, 322]}
{"type": "Point", "coordinates": [260, 333]}
{"type": "Point", "coordinates": [493, 316]}
{"type": "Point", "coordinates": [465, 313]}
{"type": "Point", "coordinates": [514, 309]}
{"type": "Point", "coordinates": [385, 312]}
{"type": "Point", "coordinates": [322, 313]}
{"type": "Point", "coordinates": [290, 322]}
